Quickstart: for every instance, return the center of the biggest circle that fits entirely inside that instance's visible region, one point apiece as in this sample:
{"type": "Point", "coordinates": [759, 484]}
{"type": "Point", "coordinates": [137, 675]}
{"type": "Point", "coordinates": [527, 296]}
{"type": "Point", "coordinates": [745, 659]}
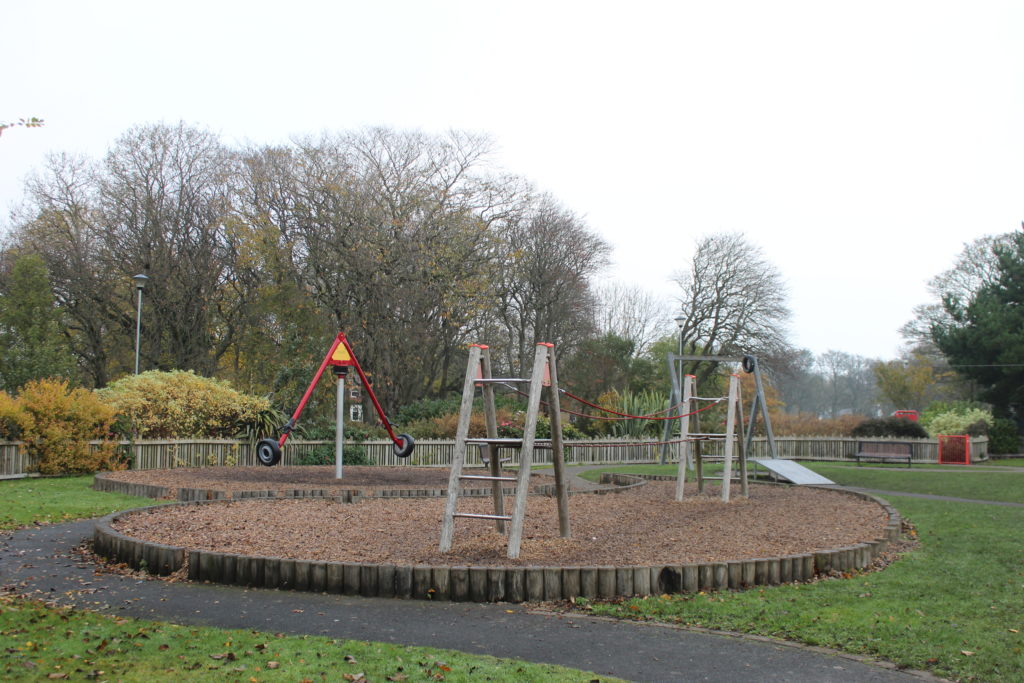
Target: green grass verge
{"type": "Point", "coordinates": [952, 606]}
{"type": "Point", "coordinates": [41, 643]}
{"type": "Point", "coordinates": [57, 499]}
{"type": "Point", "coordinates": [1004, 462]}
{"type": "Point", "coordinates": [975, 484]}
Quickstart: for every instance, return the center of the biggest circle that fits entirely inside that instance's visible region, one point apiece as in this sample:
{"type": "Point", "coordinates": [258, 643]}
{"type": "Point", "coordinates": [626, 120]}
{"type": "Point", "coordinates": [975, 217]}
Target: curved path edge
{"type": "Point", "coordinates": [40, 563]}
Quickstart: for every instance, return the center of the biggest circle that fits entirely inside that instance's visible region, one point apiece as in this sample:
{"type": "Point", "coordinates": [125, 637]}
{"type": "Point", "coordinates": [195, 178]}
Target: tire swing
{"type": "Point", "coordinates": [340, 355]}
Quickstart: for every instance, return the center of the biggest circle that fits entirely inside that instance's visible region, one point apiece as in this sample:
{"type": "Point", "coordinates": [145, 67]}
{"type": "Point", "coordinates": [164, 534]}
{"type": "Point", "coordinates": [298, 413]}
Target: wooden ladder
{"type": "Point", "coordinates": [478, 373]}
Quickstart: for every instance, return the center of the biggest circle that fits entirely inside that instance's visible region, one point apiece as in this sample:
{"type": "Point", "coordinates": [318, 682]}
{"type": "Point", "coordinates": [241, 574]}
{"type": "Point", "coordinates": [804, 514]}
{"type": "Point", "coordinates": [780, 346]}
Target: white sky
{"type": "Point", "coordinates": [859, 143]}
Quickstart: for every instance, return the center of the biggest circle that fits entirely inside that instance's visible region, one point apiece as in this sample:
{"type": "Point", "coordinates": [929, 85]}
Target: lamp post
{"type": "Point", "coordinates": [680, 321]}
{"type": "Point", "coordinates": [140, 284]}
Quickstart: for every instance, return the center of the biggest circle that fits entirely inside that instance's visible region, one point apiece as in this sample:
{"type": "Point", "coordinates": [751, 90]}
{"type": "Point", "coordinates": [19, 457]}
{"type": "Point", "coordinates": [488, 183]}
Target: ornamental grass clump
{"type": "Point", "coordinates": [64, 430]}
{"type": "Point", "coordinates": [179, 404]}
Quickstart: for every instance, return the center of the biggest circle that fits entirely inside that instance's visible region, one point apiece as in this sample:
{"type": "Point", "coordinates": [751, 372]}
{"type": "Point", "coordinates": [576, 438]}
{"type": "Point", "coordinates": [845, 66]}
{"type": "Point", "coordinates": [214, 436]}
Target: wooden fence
{"type": "Point", "coordinates": [163, 454]}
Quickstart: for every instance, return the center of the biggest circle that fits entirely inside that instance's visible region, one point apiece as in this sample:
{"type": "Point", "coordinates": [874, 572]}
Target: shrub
{"type": "Point", "coordinates": [57, 424]}
{"type": "Point", "coordinates": [889, 426]}
{"type": "Point", "coordinates": [11, 417]}
{"type": "Point", "coordinates": [973, 421]}
{"type": "Point", "coordinates": [1003, 436]}
{"type": "Point", "coordinates": [324, 455]}
{"type": "Point", "coordinates": [178, 404]}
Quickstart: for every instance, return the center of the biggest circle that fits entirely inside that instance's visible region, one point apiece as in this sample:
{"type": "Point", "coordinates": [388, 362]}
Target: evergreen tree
{"type": "Point", "coordinates": [985, 337]}
{"type": "Point", "coordinates": [32, 342]}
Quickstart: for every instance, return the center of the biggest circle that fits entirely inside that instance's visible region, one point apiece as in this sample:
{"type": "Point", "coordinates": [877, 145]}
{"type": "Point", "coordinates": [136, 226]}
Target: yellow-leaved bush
{"type": "Point", "coordinates": [57, 423]}
{"type": "Point", "coordinates": [180, 404]}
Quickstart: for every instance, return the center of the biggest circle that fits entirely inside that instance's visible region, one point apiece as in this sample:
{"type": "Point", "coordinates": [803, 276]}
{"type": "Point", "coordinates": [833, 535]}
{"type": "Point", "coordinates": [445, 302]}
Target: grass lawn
{"type": "Point", "coordinates": [42, 643]}
{"type": "Point", "coordinates": [952, 606]}
{"type": "Point", "coordinates": [57, 499]}
{"type": "Point", "coordinates": [960, 482]}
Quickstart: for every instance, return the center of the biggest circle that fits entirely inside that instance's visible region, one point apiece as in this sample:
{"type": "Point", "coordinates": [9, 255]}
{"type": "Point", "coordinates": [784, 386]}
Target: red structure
{"type": "Point", "coordinates": [954, 450]}
{"type": "Point", "coordinates": [906, 415]}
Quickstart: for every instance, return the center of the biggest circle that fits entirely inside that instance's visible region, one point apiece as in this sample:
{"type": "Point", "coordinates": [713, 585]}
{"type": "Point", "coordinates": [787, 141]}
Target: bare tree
{"type": "Point", "coordinates": [975, 267]}
{"type": "Point", "coordinates": [543, 291]}
{"type": "Point", "coordinates": [631, 313]}
{"type": "Point", "coordinates": [733, 301]}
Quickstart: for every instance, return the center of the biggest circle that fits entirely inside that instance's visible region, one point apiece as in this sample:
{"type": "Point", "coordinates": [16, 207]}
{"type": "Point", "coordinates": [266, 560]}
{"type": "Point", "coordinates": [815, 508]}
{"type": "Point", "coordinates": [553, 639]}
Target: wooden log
{"type": "Point", "coordinates": [570, 583]}
{"type": "Point", "coordinates": [193, 564]}
{"type": "Point", "coordinates": [302, 568]}
{"type": "Point", "coordinates": [441, 583]}
{"type": "Point", "coordinates": [386, 580]}
{"type": "Point", "coordinates": [335, 578]}
{"type": "Point", "coordinates": [534, 584]}
{"type": "Point", "coordinates": [785, 569]}
{"type": "Point", "coordinates": [478, 584]}
{"type": "Point", "coordinates": [495, 584]}
{"type": "Point", "coordinates": [229, 568]}
{"type": "Point", "coordinates": [368, 580]}
{"type": "Point", "coordinates": [808, 566]}
{"type": "Point", "coordinates": [774, 571]}
{"type": "Point", "coordinates": [624, 581]}
{"type": "Point", "coordinates": [705, 577]}
{"type": "Point", "coordinates": [403, 581]}
{"type": "Point", "coordinates": [271, 572]}
{"type": "Point", "coordinates": [691, 578]}
{"type": "Point", "coordinates": [606, 583]}
{"type": "Point", "coordinates": [823, 562]}
{"type": "Point", "coordinates": [552, 583]}
{"type": "Point", "coordinates": [641, 581]}
{"type": "Point", "coordinates": [735, 574]}
{"type": "Point", "coordinates": [352, 578]}
{"type": "Point", "coordinates": [318, 577]}
{"type": "Point", "coordinates": [667, 579]}
{"type": "Point", "coordinates": [588, 582]}
{"type": "Point", "coordinates": [421, 585]}
{"type": "Point", "coordinates": [761, 572]}
{"type": "Point", "coordinates": [287, 574]}
{"type": "Point", "coordinates": [515, 584]}
{"type": "Point", "coordinates": [459, 584]}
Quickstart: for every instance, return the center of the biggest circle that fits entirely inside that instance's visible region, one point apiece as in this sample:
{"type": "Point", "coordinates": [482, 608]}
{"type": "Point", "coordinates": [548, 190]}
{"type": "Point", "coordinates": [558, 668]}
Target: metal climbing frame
{"type": "Point", "coordinates": [478, 374]}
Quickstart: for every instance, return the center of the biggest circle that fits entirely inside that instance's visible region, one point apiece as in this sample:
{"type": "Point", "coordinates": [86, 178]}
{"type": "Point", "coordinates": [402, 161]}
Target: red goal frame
{"type": "Point", "coordinates": [954, 449]}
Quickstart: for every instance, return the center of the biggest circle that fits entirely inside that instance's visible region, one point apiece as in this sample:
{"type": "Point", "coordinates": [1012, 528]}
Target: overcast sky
{"type": "Point", "coordinates": [860, 144]}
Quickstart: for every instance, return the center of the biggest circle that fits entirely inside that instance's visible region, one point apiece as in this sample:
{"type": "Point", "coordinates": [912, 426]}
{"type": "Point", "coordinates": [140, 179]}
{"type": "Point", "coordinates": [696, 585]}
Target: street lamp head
{"type": "Point", "coordinates": [680, 320]}
{"type": "Point", "coordinates": [140, 281]}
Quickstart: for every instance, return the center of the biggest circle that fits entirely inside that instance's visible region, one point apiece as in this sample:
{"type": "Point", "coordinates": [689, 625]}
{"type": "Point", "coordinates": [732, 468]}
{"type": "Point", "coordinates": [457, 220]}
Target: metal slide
{"type": "Point", "coordinates": [793, 472]}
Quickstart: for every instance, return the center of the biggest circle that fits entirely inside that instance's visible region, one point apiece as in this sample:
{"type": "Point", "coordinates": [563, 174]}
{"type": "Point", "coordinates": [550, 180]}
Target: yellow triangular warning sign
{"type": "Point", "coordinates": [341, 354]}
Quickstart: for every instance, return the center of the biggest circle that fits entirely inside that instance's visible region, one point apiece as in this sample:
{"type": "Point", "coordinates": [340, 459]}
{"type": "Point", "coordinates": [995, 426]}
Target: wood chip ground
{"type": "Point", "coordinates": [643, 526]}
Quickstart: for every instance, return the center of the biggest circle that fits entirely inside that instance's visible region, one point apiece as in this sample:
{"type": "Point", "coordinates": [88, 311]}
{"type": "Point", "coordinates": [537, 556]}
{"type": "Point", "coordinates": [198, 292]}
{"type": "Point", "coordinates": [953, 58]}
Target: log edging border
{"type": "Point", "coordinates": [460, 583]}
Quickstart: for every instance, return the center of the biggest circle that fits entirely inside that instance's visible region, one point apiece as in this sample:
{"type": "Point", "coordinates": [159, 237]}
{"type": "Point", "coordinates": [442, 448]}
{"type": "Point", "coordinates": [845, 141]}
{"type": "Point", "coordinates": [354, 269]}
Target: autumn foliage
{"type": "Point", "coordinates": [178, 404]}
{"type": "Point", "coordinates": [57, 424]}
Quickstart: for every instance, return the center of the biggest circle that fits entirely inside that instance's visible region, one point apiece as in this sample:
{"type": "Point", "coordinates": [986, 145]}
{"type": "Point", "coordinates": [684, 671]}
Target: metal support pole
{"type": "Point", "coordinates": [339, 433]}
{"type": "Point", "coordinates": [138, 330]}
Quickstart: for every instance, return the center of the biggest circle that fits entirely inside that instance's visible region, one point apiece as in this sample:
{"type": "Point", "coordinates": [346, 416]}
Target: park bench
{"type": "Point", "coordinates": [884, 451]}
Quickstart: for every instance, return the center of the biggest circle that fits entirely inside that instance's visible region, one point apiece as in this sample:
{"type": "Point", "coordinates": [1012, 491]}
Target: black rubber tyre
{"type": "Point", "coordinates": [268, 452]}
{"type": "Point", "coordinates": [405, 450]}
{"type": "Point", "coordinates": [748, 364]}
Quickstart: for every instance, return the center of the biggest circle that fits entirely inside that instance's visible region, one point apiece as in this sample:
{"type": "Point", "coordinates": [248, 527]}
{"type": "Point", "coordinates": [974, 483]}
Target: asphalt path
{"type": "Point", "coordinates": [40, 562]}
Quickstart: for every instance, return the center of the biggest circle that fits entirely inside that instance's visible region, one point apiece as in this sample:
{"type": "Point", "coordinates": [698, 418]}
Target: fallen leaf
{"type": "Point", "coordinates": [350, 659]}
{"type": "Point", "coordinates": [397, 677]}
{"type": "Point", "coordinates": [966, 653]}
{"type": "Point", "coordinates": [273, 665]}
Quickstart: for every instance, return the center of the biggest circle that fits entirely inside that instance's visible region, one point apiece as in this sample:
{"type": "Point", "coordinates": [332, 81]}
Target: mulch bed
{"type": "Point", "coordinates": [642, 526]}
